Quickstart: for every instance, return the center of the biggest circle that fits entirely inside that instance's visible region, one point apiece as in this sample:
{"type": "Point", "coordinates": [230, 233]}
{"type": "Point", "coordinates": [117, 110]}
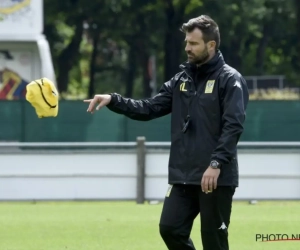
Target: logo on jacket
{"type": "Point", "coordinates": [209, 86]}
{"type": "Point", "coordinates": [237, 84]}
{"type": "Point", "coordinates": [182, 87]}
{"type": "Point", "coordinates": [223, 226]}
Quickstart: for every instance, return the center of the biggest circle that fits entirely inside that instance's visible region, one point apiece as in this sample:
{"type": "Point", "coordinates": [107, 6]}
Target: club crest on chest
{"type": "Point", "coordinates": [209, 86]}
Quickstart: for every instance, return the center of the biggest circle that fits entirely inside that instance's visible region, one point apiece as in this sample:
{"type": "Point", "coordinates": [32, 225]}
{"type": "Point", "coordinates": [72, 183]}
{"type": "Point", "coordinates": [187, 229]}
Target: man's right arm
{"type": "Point", "coordinates": [145, 109]}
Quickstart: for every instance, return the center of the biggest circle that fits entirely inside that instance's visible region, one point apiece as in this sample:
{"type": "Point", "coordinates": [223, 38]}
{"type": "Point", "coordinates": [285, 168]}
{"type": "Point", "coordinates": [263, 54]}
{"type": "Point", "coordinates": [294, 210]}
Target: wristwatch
{"type": "Point", "coordinates": [214, 164]}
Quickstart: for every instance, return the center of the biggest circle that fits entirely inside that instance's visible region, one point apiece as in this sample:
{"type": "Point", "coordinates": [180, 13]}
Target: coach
{"type": "Point", "coordinates": [207, 100]}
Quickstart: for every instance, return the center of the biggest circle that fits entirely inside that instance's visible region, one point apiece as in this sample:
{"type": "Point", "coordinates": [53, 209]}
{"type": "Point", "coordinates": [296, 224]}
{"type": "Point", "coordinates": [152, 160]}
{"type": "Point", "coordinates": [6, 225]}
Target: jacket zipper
{"type": "Point", "coordinates": [194, 94]}
{"type": "Point", "coordinates": [184, 69]}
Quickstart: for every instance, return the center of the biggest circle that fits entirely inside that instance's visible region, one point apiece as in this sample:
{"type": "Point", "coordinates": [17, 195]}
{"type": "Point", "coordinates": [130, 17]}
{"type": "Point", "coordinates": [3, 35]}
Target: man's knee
{"type": "Point", "coordinates": [166, 231]}
{"type": "Point", "coordinates": [169, 232]}
{"type": "Point", "coordinates": [176, 238]}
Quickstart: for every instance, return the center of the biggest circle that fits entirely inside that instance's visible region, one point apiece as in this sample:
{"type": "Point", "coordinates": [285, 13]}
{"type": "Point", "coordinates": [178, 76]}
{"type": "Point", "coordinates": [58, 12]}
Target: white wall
{"type": "Point", "coordinates": [23, 17]}
{"type": "Point", "coordinates": [263, 175]}
{"type": "Point", "coordinates": [112, 175]}
{"type": "Point", "coordinates": [36, 51]}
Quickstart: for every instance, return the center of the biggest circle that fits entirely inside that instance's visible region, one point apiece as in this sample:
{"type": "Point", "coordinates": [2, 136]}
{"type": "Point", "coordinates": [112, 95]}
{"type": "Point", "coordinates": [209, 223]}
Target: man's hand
{"type": "Point", "coordinates": [101, 100]}
{"type": "Point", "coordinates": [209, 179]}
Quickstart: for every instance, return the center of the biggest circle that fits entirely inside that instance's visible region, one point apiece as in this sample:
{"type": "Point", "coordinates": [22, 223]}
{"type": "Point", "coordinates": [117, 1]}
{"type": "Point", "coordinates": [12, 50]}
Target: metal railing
{"type": "Point", "coordinates": [140, 147]}
{"type": "Point", "coordinates": [37, 145]}
{"type": "Point", "coordinates": [266, 81]}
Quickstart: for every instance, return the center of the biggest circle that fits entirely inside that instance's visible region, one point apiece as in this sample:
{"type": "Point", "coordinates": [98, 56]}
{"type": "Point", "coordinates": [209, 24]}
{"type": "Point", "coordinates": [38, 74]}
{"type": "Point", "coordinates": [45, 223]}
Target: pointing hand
{"type": "Point", "coordinates": [100, 100]}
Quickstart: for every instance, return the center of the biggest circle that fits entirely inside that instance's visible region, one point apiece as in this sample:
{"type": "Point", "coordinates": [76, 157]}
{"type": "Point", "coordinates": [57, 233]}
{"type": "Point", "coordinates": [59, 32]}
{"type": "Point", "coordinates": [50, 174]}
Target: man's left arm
{"type": "Point", "coordinates": [234, 101]}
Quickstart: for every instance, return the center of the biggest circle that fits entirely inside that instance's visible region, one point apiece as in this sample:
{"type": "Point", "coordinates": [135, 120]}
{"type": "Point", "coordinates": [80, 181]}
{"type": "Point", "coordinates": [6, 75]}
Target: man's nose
{"type": "Point", "coordinates": [187, 48]}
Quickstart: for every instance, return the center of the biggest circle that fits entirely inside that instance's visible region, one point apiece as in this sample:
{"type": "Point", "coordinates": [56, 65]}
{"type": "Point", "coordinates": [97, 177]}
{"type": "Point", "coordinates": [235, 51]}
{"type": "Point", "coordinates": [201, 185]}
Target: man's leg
{"type": "Point", "coordinates": [181, 207]}
{"type": "Point", "coordinates": [215, 211]}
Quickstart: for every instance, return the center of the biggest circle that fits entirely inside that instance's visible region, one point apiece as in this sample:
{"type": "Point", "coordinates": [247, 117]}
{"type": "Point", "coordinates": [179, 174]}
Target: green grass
{"type": "Point", "coordinates": [127, 226]}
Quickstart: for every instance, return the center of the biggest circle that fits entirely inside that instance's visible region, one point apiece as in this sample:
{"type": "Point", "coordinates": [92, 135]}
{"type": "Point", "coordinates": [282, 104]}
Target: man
{"type": "Point", "coordinates": [208, 101]}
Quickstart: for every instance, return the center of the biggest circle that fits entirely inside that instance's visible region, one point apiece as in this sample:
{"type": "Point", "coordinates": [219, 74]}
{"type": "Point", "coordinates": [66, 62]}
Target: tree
{"type": "Point", "coordinates": [105, 46]}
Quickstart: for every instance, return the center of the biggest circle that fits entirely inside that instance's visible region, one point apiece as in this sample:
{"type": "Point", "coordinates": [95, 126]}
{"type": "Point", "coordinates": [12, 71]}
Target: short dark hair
{"type": "Point", "coordinates": [207, 25]}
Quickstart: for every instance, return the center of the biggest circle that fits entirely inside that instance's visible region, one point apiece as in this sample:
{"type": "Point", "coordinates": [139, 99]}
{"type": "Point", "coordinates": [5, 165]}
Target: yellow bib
{"type": "Point", "coordinates": [43, 96]}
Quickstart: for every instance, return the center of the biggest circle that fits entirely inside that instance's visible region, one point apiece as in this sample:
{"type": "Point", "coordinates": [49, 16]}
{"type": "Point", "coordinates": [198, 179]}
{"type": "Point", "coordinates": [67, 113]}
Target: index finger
{"type": "Point", "coordinates": [202, 183]}
{"type": "Point", "coordinates": [205, 184]}
{"type": "Point", "coordinates": [91, 106]}
{"type": "Point", "coordinates": [88, 100]}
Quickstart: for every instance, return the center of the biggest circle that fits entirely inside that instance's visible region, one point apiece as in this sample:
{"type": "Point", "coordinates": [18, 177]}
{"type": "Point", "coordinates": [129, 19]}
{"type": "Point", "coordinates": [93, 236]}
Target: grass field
{"type": "Point", "coordinates": [127, 226]}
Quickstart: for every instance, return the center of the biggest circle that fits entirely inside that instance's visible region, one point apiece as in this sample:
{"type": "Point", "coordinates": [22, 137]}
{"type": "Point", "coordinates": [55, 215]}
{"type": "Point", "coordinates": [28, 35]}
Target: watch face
{"type": "Point", "coordinates": [214, 164]}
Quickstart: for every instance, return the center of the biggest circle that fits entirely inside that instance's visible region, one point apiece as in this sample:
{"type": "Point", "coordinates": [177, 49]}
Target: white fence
{"type": "Point", "coordinates": [133, 171]}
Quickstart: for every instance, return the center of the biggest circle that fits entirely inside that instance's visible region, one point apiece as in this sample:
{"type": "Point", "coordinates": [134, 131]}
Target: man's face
{"type": "Point", "coordinates": [197, 50]}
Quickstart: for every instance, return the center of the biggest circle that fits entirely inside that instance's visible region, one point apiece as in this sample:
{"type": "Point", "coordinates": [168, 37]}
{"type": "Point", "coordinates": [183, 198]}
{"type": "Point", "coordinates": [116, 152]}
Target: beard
{"type": "Point", "coordinates": [199, 59]}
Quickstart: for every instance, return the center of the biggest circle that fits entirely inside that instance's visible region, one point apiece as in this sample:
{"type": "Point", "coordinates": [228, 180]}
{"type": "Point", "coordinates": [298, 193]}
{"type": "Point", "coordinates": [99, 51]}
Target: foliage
{"type": "Point", "coordinates": [105, 46]}
{"type": "Point", "coordinates": [275, 94]}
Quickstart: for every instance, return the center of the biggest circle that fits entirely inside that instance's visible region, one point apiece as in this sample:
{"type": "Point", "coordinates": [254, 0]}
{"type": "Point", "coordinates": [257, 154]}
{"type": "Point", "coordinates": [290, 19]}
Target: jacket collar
{"type": "Point", "coordinates": [212, 65]}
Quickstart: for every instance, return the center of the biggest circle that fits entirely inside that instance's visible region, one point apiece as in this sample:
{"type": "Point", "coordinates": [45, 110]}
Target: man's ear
{"type": "Point", "coordinates": [211, 45]}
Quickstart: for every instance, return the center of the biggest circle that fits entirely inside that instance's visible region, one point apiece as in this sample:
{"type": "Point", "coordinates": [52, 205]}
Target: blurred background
{"type": "Point", "coordinates": [109, 163]}
{"type": "Point", "coordinates": [132, 47]}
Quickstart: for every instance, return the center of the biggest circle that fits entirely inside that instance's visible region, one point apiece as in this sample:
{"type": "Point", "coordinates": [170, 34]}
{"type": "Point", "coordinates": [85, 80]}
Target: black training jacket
{"type": "Point", "coordinates": [214, 96]}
